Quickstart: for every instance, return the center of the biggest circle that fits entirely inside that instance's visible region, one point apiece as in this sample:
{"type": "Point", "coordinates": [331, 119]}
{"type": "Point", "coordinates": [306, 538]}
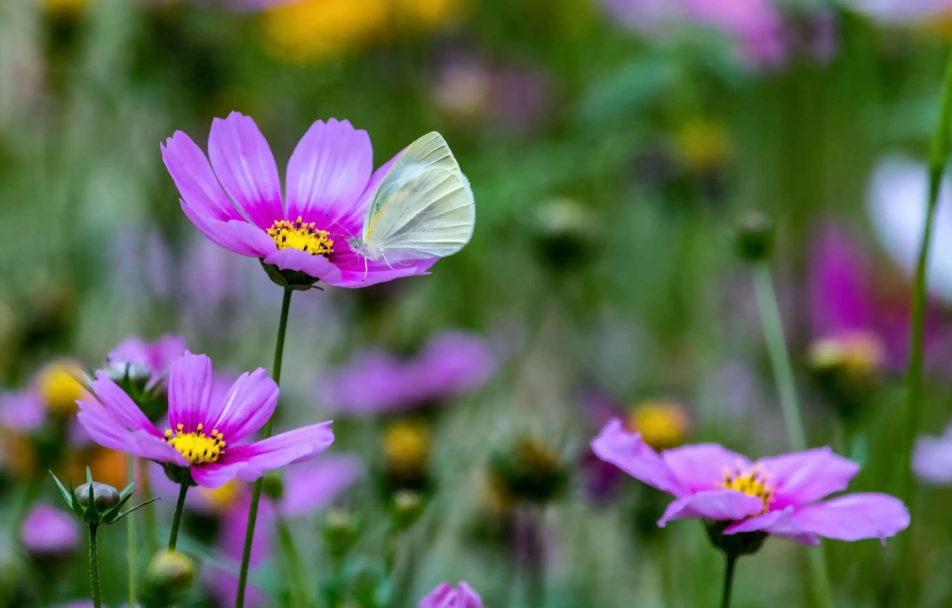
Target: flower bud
{"type": "Point", "coordinates": [169, 572]}
{"type": "Point", "coordinates": [565, 233]}
{"type": "Point", "coordinates": [529, 470]}
{"type": "Point", "coordinates": [848, 367]}
{"type": "Point", "coordinates": [104, 495]}
{"type": "Point", "coordinates": [273, 486]}
{"type": "Point", "coordinates": [406, 509]}
{"type": "Point", "coordinates": [754, 236]}
{"type": "Point", "coordinates": [341, 531]}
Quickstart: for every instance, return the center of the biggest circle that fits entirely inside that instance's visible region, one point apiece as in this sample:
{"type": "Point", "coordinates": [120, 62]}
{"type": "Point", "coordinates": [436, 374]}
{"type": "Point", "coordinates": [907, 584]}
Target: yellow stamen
{"type": "Point", "coordinates": [301, 235]}
{"type": "Point", "coordinates": [753, 482]}
{"type": "Point", "coordinates": [196, 447]}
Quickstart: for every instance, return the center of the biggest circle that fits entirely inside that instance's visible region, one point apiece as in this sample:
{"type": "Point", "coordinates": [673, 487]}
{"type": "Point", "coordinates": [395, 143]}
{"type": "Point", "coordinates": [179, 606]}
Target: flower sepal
{"type": "Point", "coordinates": [97, 503]}
{"type": "Point", "coordinates": [179, 475]}
{"type": "Point", "coordinates": [734, 545]}
{"type": "Point", "coordinates": [294, 279]}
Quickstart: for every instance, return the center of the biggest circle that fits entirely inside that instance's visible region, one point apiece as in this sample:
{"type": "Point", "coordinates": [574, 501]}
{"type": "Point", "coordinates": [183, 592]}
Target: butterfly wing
{"type": "Point", "coordinates": [424, 206]}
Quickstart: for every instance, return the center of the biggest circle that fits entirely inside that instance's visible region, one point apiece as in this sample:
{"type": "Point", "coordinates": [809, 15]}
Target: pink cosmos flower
{"type": "Point", "coordinates": [49, 531]}
{"type": "Point", "coordinates": [330, 182]}
{"type": "Point", "coordinates": [445, 596]}
{"type": "Point", "coordinates": [775, 495]}
{"type": "Point", "coordinates": [449, 365]}
{"type": "Point", "coordinates": [206, 435]}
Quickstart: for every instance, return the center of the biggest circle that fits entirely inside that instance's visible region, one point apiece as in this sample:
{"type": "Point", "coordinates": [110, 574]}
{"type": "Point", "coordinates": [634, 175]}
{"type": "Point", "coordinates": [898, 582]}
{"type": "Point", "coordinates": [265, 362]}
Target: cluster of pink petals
{"type": "Point", "coordinates": [450, 364]}
{"type": "Point", "coordinates": [153, 358]}
{"type": "Point", "coordinates": [116, 422]}
{"type": "Point", "coordinates": [330, 182]}
{"type": "Point", "coordinates": [445, 596]}
{"type": "Point", "coordinates": [694, 475]}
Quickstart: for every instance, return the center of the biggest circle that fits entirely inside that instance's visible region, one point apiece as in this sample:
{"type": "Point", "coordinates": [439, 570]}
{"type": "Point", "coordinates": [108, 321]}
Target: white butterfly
{"type": "Point", "coordinates": [424, 207]}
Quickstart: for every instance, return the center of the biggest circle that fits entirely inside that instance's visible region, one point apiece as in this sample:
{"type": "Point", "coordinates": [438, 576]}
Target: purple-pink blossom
{"type": "Point", "coordinates": [446, 596]}
{"type": "Point", "coordinates": [778, 495]}
{"type": "Point", "coordinates": [151, 359]}
{"type": "Point", "coordinates": [49, 531]}
{"type": "Point", "coordinates": [329, 184]}
{"type": "Point", "coordinates": [22, 411]}
{"type": "Point", "coordinates": [449, 365]}
{"type": "Point", "coordinates": [205, 435]}
{"type": "Point", "coordinates": [932, 458]}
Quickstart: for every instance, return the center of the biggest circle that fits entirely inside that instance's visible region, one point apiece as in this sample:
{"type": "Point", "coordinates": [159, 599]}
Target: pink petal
{"type": "Point", "coordinates": [328, 171]}
{"type": "Point", "coordinates": [632, 455]}
{"type": "Point", "coordinates": [249, 462]}
{"type": "Point", "coordinates": [854, 517]}
{"type": "Point", "coordinates": [120, 406]}
{"type": "Point", "coordinates": [110, 433]}
{"type": "Point", "coordinates": [245, 166]}
{"type": "Point", "coordinates": [316, 266]}
{"type": "Point", "coordinates": [776, 523]}
{"type": "Point", "coordinates": [246, 407]}
{"type": "Point", "coordinates": [235, 235]}
{"type": "Point", "coordinates": [311, 487]}
{"type": "Point", "coordinates": [807, 476]}
{"type": "Point", "coordinates": [718, 505]}
{"type": "Point", "coordinates": [194, 178]}
{"type": "Point", "coordinates": [701, 467]}
{"type": "Point", "coordinates": [190, 391]}
{"type": "Point", "coordinates": [365, 278]}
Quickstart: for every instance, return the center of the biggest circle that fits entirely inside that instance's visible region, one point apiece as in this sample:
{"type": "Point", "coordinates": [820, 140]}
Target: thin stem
{"type": "Point", "coordinates": [148, 511]}
{"type": "Point", "coordinates": [779, 358]}
{"type": "Point", "coordinates": [300, 595]}
{"type": "Point", "coordinates": [177, 519]}
{"type": "Point", "coordinates": [132, 551]}
{"type": "Point", "coordinates": [94, 567]}
{"type": "Point", "coordinates": [256, 492]}
{"type": "Point", "coordinates": [937, 161]}
{"type": "Point", "coordinates": [728, 580]}
{"type": "Point", "coordinates": [783, 375]}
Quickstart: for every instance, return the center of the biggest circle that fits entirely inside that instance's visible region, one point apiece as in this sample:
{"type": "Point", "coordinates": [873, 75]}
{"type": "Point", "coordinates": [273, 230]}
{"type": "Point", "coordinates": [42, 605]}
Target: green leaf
{"type": "Point", "coordinates": [89, 476]}
{"type": "Point", "coordinates": [67, 495]}
{"type": "Point", "coordinates": [135, 508]}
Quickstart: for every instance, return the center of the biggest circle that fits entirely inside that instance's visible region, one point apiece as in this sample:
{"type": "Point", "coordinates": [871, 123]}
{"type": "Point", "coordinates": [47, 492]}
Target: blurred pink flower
{"type": "Point", "coordinates": [206, 434]}
{"type": "Point", "coordinates": [330, 182]}
{"type": "Point", "coordinates": [932, 458]}
{"type": "Point", "coordinates": [449, 365]}
{"type": "Point", "coordinates": [775, 495]}
{"type": "Point", "coordinates": [22, 411]}
{"type": "Point", "coordinates": [151, 359]}
{"type": "Point", "coordinates": [901, 12]}
{"type": "Point", "coordinates": [445, 596]}
{"type": "Point", "coordinates": [49, 531]}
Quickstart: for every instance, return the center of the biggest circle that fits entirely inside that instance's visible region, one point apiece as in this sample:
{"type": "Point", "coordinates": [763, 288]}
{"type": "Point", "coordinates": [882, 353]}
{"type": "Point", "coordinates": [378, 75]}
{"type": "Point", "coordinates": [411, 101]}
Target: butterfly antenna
{"type": "Point", "coordinates": [341, 226]}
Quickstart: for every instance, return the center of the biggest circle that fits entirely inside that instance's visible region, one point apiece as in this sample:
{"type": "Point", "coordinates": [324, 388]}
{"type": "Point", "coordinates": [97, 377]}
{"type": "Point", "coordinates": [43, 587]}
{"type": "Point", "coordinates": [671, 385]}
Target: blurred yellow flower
{"type": "Point", "coordinates": [406, 448]}
{"type": "Point", "coordinates": [312, 30]}
{"type": "Point", "coordinates": [859, 356]}
{"type": "Point", "coordinates": [703, 145]}
{"type": "Point", "coordinates": [223, 497]}
{"type": "Point", "coordinates": [58, 386]}
{"type": "Point", "coordinates": [64, 8]}
{"type": "Point", "coordinates": [662, 424]}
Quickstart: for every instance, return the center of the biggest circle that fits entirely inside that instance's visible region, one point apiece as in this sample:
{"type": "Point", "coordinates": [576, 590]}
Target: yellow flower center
{"type": "Point", "coordinates": [662, 424]}
{"type": "Point", "coordinates": [752, 483]}
{"type": "Point", "coordinates": [301, 235]}
{"type": "Point", "coordinates": [196, 447]}
{"type": "Point", "coordinates": [59, 388]}
{"type": "Point", "coordinates": [406, 447]}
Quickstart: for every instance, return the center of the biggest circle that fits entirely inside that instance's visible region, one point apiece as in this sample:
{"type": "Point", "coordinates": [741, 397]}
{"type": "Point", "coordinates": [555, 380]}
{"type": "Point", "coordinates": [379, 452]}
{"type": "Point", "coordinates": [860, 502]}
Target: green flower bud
{"type": "Point", "coordinates": [529, 470]}
{"type": "Point", "coordinates": [169, 572]}
{"type": "Point", "coordinates": [754, 237]}
{"type": "Point", "coordinates": [105, 496]}
{"type": "Point", "coordinates": [341, 531]}
{"type": "Point", "coordinates": [406, 509]}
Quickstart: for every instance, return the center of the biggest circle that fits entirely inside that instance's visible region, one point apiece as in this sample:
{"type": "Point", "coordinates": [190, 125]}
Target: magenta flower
{"type": "Point", "coordinates": [445, 596]}
{"type": "Point", "coordinates": [449, 365]}
{"type": "Point", "coordinates": [206, 434]}
{"type": "Point", "coordinates": [149, 359]}
{"type": "Point", "coordinates": [932, 458]}
{"type": "Point", "coordinates": [22, 411]}
{"type": "Point", "coordinates": [330, 182]}
{"type": "Point", "coordinates": [775, 495]}
{"type": "Point", "coordinates": [48, 531]}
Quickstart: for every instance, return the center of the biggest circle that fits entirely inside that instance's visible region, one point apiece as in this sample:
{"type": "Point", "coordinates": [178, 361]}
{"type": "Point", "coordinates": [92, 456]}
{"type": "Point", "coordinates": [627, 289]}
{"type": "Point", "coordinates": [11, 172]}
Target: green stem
{"type": "Point", "coordinates": [937, 160]}
{"type": "Point", "coordinates": [256, 492]}
{"type": "Point", "coordinates": [728, 580]}
{"type": "Point", "coordinates": [148, 511]}
{"type": "Point", "coordinates": [177, 519]}
{"type": "Point", "coordinates": [786, 386]}
{"type": "Point", "coordinates": [300, 596]}
{"type": "Point", "coordinates": [94, 567]}
{"type": "Point", "coordinates": [132, 551]}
